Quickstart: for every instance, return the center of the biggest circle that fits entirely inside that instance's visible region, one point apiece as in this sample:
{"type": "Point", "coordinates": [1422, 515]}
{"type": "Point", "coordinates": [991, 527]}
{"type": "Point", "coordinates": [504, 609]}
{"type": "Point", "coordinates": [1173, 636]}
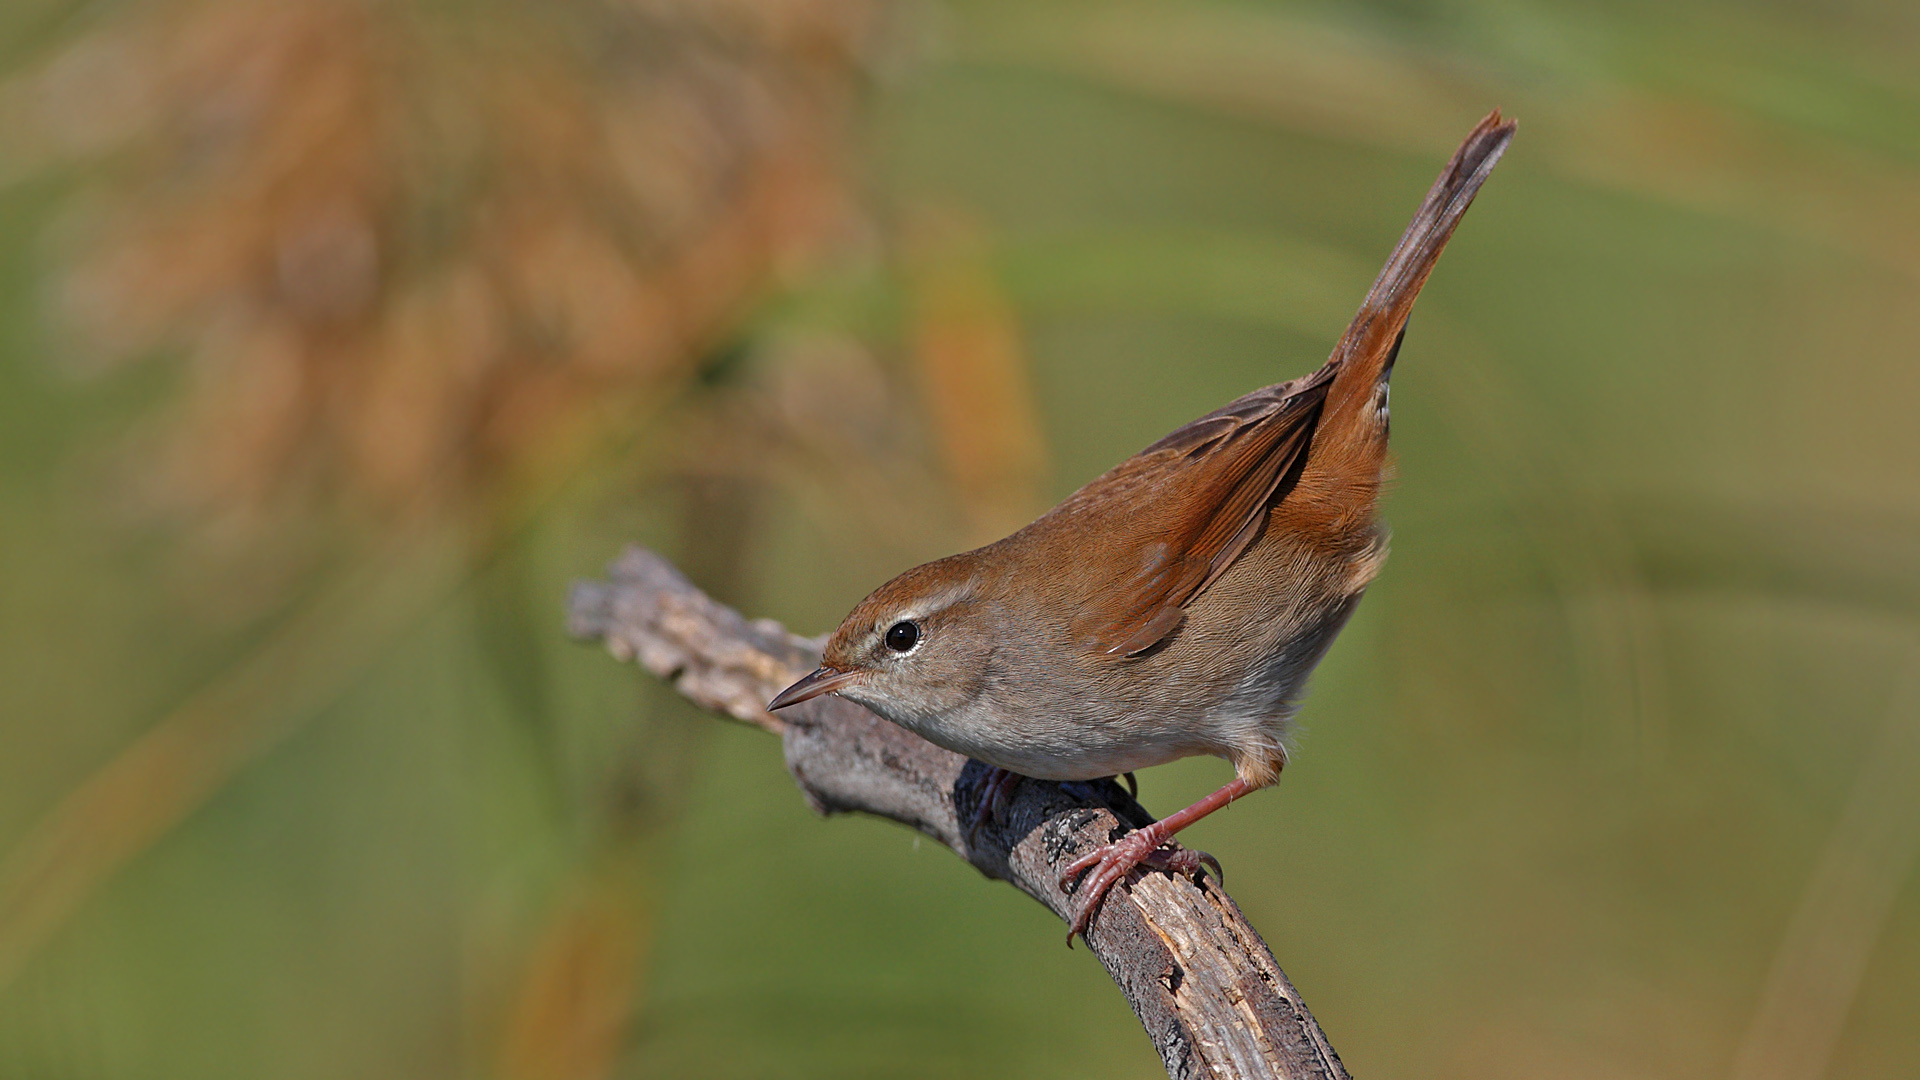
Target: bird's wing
{"type": "Point", "coordinates": [1195, 501]}
{"type": "Point", "coordinates": [1190, 504]}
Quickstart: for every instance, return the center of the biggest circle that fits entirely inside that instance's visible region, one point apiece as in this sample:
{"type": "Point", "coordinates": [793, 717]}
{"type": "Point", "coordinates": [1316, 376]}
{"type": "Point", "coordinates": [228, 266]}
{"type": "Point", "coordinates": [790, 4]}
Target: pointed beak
{"type": "Point", "coordinates": [823, 680]}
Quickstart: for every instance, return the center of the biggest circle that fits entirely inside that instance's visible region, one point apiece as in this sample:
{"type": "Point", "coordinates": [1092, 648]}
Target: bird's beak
{"type": "Point", "coordinates": [823, 680]}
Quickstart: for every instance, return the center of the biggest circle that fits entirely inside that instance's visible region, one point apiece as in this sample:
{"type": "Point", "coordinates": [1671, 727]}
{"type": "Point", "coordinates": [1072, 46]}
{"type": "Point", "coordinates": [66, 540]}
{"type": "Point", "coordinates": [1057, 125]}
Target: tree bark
{"type": "Point", "coordinates": [1201, 980]}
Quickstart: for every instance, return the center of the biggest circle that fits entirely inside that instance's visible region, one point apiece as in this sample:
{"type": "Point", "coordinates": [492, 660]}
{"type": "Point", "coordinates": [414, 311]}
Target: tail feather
{"type": "Point", "coordinates": [1372, 340]}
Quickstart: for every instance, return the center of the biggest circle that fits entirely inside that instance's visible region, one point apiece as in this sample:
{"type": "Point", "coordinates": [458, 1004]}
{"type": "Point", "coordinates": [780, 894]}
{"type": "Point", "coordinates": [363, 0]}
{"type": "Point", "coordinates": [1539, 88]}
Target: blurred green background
{"type": "Point", "coordinates": [337, 337]}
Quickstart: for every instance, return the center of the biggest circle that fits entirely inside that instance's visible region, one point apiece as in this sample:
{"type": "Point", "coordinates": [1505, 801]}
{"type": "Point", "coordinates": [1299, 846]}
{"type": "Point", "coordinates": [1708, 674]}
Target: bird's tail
{"type": "Point", "coordinates": [1366, 352]}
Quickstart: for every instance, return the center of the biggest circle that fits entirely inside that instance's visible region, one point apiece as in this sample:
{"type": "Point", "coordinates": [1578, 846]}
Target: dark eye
{"type": "Point", "coordinates": [902, 636]}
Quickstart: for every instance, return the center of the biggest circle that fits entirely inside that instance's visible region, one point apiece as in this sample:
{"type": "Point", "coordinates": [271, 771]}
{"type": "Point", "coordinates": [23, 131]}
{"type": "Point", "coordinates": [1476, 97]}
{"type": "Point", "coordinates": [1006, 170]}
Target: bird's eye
{"type": "Point", "coordinates": [902, 636]}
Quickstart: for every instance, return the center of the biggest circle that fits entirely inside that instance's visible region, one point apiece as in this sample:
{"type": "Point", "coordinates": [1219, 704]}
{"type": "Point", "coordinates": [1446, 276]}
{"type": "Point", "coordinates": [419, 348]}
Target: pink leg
{"type": "Point", "coordinates": [1111, 862]}
{"type": "Point", "coordinates": [996, 791]}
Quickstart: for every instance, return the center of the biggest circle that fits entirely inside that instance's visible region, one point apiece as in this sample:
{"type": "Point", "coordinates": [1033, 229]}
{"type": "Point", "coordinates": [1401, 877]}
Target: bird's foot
{"type": "Point", "coordinates": [996, 793]}
{"type": "Point", "coordinates": [1151, 847]}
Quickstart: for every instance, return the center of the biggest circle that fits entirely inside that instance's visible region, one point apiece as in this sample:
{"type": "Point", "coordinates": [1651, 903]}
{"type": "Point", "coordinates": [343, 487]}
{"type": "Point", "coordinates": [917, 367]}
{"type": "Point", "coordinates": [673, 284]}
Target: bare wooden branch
{"type": "Point", "coordinates": [1200, 979]}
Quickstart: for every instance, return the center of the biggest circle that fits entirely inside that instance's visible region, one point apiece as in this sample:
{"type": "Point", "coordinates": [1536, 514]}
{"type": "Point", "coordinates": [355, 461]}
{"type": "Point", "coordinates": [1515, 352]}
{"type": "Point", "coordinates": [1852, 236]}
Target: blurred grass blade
{"type": "Point", "coordinates": [145, 791]}
{"type": "Point", "coordinates": [1844, 909]}
{"type": "Point", "coordinates": [570, 1016]}
{"type": "Point", "coordinates": [975, 383]}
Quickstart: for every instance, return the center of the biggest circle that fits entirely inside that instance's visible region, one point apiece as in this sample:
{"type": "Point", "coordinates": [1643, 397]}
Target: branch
{"type": "Point", "coordinates": [1200, 979]}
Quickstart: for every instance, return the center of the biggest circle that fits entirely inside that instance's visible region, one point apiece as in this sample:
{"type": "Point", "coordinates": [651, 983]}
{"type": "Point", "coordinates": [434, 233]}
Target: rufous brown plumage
{"type": "Point", "coordinates": [1175, 605]}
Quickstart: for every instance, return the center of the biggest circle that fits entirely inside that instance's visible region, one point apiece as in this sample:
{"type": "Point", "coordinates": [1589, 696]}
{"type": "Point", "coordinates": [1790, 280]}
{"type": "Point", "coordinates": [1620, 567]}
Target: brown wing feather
{"type": "Point", "coordinates": [1229, 468]}
{"type": "Point", "coordinates": [1252, 449]}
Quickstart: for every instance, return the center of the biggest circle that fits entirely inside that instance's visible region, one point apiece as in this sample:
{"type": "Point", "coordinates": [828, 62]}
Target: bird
{"type": "Point", "coordinates": [1174, 606]}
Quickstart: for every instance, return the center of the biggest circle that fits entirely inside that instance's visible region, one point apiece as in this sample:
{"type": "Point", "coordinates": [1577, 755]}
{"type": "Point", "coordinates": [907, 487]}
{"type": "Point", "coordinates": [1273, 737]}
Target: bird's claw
{"type": "Point", "coordinates": [1110, 863]}
{"type": "Point", "coordinates": [996, 793]}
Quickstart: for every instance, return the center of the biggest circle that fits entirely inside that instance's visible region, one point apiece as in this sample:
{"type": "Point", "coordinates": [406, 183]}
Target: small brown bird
{"type": "Point", "coordinates": [1174, 606]}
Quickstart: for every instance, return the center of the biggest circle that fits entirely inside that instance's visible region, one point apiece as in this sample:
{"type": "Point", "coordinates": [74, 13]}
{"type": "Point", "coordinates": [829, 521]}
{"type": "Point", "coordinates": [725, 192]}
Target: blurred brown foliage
{"type": "Point", "coordinates": [412, 262]}
{"type": "Point", "coordinates": [407, 269]}
{"type": "Point", "coordinates": [404, 250]}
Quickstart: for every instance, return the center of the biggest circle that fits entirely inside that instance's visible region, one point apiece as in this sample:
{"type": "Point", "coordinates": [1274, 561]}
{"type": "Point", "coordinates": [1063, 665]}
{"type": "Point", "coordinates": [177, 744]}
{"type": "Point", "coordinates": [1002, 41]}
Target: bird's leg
{"type": "Point", "coordinates": [996, 791]}
{"type": "Point", "coordinates": [1111, 862]}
